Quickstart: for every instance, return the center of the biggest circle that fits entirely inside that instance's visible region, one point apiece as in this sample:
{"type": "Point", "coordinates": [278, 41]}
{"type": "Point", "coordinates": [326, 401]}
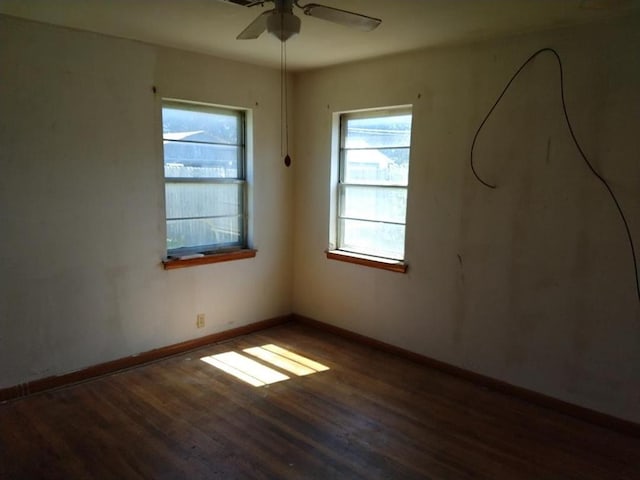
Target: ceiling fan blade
{"type": "Point", "coordinates": [243, 3]}
{"type": "Point", "coordinates": [255, 28]}
{"type": "Point", "coordinates": [343, 17]}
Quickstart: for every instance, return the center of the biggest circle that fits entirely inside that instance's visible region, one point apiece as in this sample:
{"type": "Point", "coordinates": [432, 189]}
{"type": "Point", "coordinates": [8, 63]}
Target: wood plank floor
{"type": "Point", "coordinates": [371, 415]}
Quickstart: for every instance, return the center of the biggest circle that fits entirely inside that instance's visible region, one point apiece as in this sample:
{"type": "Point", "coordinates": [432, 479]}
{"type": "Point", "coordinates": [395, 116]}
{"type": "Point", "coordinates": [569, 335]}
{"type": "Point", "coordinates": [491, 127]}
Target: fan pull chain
{"type": "Point", "coordinates": [284, 104]}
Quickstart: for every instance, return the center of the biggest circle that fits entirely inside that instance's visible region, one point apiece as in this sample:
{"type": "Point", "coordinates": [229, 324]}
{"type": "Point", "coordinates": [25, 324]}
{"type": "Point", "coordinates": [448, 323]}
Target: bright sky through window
{"type": "Point", "coordinates": [373, 179]}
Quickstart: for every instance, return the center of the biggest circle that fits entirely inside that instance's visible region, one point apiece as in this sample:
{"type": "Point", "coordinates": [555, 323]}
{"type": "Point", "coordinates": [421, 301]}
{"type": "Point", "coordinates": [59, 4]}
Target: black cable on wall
{"type": "Point", "coordinates": [575, 141]}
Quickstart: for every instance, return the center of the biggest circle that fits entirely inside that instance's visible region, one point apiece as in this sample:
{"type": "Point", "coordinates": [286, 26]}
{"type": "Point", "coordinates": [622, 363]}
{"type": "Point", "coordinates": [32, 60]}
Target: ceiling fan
{"type": "Point", "coordinates": [282, 23]}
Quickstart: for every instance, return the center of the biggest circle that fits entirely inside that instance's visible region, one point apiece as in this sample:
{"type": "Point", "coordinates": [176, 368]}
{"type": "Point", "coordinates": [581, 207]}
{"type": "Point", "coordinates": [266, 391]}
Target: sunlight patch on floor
{"type": "Point", "coordinates": [258, 374]}
{"type": "Point", "coordinates": [245, 368]}
{"type": "Point", "coordinates": [318, 367]}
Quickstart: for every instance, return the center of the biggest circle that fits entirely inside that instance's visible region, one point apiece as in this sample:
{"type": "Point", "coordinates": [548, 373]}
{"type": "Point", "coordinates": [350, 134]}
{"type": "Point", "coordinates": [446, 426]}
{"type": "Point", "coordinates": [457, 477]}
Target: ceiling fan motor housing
{"type": "Point", "coordinates": [283, 25]}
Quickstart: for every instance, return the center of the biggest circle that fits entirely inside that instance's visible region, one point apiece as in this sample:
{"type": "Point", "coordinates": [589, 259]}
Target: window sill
{"type": "Point", "coordinates": [171, 264]}
{"type": "Point", "coordinates": [397, 266]}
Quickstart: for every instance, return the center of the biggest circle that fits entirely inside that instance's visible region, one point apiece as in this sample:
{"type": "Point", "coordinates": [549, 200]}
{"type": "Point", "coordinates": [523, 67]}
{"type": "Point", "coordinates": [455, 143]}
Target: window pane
{"type": "Point", "coordinates": [203, 232]}
{"type": "Point", "coordinates": [201, 124]}
{"type": "Point", "coordinates": [381, 166]}
{"type": "Point", "coordinates": [373, 203]}
{"type": "Point", "coordinates": [197, 160]}
{"type": "Point", "coordinates": [385, 131]}
{"type": "Point", "coordinates": [372, 238]}
{"type": "Point", "coordinates": [203, 199]}
{"type": "Point", "coordinates": [373, 181]}
{"type": "Point", "coordinates": [206, 144]}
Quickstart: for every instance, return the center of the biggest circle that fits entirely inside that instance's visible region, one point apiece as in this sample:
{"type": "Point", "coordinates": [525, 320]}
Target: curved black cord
{"type": "Point", "coordinates": [575, 141]}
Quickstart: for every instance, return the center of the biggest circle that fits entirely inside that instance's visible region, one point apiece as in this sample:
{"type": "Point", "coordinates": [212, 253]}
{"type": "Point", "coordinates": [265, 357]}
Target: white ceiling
{"type": "Point", "coordinates": [210, 26]}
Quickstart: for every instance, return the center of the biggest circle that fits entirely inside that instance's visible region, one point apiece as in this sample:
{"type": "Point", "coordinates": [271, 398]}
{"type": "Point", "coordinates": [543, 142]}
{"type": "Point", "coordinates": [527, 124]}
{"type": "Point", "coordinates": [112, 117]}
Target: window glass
{"type": "Point", "coordinates": [379, 166]}
{"type": "Point", "coordinates": [373, 182]}
{"type": "Point", "coordinates": [378, 131]}
{"type": "Point", "coordinates": [372, 238]}
{"type": "Point", "coordinates": [201, 123]}
{"type": "Point", "coordinates": [205, 188]}
{"type": "Point", "coordinates": [193, 160]}
{"type": "Point", "coordinates": [376, 204]}
{"type": "Point", "coordinates": [192, 200]}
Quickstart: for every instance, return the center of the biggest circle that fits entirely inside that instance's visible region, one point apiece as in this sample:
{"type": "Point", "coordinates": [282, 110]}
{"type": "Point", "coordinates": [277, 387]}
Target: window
{"type": "Point", "coordinates": [205, 178]}
{"type": "Point", "coordinates": [373, 176]}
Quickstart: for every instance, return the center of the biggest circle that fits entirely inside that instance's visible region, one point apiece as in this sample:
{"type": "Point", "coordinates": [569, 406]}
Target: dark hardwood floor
{"type": "Point", "coordinates": [371, 415]}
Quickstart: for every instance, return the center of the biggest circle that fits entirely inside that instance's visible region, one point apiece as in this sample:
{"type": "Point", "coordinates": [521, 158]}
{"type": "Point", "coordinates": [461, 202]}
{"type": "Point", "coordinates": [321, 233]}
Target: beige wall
{"type": "Point", "coordinates": [531, 283]}
{"type": "Point", "coordinates": [81, 202]}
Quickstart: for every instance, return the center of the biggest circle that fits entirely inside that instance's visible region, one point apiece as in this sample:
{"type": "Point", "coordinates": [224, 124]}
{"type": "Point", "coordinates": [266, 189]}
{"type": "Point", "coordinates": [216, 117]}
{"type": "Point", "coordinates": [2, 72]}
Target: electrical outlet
{"type": "Point", "coordinates": [200, 320]}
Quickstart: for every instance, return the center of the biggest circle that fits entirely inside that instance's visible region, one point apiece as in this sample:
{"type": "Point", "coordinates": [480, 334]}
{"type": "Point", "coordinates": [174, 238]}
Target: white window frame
{"type": "Point", "coordinates": [241, 179]}
{"type": "Point", "coordinates": [338, 183]}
